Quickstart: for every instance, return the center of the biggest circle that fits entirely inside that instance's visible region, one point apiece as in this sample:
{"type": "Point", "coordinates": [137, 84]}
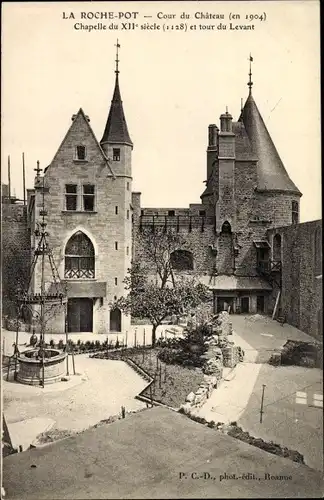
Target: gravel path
{"type": "Point", "coordinates": [104, 387]}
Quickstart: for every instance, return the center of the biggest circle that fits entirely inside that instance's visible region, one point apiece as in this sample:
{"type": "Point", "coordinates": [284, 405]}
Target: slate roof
{"type": "Point", "coordinates": [142, 456]}
{"type": "Point", "coordinates": [116, 130]}
{"type": "Point", "coordinates": [243, 146]}
{"type": "Point", "coordinates": [272, 175]}
{"type": "Point", "coordinates": [225, 282]}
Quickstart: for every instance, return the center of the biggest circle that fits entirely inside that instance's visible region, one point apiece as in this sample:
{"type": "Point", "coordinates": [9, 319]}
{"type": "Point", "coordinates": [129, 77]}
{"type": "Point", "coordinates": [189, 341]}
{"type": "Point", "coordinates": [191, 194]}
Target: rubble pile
{"type": "Point", "coordinates": [221, 353]}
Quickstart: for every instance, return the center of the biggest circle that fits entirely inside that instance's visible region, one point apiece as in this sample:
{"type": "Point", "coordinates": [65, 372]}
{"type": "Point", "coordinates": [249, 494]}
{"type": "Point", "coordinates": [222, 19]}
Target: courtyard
{"type": "Point", "coordinates": [98, 391]}
{"type": "Point", "coordinates": [293, 401]}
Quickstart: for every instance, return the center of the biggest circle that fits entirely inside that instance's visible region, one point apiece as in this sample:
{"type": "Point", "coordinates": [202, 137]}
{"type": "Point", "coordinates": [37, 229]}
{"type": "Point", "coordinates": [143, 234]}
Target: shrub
{"type": "Point", "coordinates": [170, 343]}
{"type": "Point", "coordinates": [301, 354]}
{"type": "Point", "coordinates": [271, 447]}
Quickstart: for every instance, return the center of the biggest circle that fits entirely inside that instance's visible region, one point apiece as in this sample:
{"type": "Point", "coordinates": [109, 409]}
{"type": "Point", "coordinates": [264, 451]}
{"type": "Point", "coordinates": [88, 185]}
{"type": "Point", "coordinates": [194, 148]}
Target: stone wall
{"type": "Point", "coordinates": [15, 254]}
{"type": "Point", "coordinates": [301, 253]}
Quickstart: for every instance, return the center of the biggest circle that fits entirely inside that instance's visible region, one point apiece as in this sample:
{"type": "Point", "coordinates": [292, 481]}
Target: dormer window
{"type": "Point", "coordinates": [116, 154]}
{"type": "Point", "coordinates": [80, 152]}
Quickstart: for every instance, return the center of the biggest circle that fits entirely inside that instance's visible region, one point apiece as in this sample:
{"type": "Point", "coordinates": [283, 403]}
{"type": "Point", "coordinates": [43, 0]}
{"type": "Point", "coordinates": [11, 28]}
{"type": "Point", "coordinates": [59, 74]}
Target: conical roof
{"type": "Point", "coordinates": [116, 130]}
{"type": "Point", "coordinates": [272, 175]}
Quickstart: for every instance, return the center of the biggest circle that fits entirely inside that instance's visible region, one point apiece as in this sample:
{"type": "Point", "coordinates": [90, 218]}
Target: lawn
{"type": "Point", "coordinates": [172, 383]}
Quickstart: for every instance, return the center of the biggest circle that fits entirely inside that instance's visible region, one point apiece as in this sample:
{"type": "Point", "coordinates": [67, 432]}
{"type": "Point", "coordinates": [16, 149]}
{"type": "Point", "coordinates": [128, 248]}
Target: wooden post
{"type": "Point", "coordinates": [262, 400]}
{"type": "Point", "coordinates": [276, 305]}
{"type": "Point", "coordinates": [24, 177]}
{"type": "Point", "coordinates": [9, 363]}
{"type": "Point", "coordinates": [151, 395]}
{"type": "Point", "coordinates": [66, 341]}
{"type": "Point", "coordinates": [165, 372]}
{"type": "Point", "coordinates": [144, 337]}
{"type": "Point", "coordinates": [126, 339]}
{"type": "Point", "coordinates": [73, 362]}
{"type": "Point", "coordinates": [135, 335]}
{"type": "Point", "coordinates": [16, 347]}
{"type": "Point", "coordinates": [160, 376]}
{"type": "Point", "coordinates": [9, 180]}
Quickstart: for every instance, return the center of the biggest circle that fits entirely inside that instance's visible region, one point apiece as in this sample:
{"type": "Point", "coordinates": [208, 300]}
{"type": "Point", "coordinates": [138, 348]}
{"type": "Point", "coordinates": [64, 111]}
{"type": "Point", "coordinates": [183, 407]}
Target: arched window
{"type": "Point", "coordinates": [79, 257]}
{"type": "Point", "coordinates": [276, 248]}
{"type": "Point", "coordinates": [115, 320]}
{"type": "Point", "coordinates": [226, 227]}
{"type": "Point", "coordinates": [182, 260]}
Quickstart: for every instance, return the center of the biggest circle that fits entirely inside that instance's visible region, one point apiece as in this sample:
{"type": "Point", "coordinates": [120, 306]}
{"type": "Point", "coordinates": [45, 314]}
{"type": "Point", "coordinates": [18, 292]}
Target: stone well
{"type": "Point", "coordinates": [31, 367]}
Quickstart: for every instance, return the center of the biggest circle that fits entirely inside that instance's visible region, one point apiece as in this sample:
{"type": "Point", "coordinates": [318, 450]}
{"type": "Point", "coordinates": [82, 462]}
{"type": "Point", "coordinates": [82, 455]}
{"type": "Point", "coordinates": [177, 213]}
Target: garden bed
{"type": "Point", "coordinates": [172, 383]}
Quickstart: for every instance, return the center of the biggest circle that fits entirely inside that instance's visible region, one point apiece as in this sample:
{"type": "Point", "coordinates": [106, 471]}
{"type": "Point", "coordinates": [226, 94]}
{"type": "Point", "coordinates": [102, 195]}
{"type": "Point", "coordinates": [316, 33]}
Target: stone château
{"type": "Point", "coordinates": [243, 239]}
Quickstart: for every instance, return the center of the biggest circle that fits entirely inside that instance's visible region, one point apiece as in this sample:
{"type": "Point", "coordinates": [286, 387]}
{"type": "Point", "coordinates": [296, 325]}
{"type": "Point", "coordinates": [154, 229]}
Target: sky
{"type": "Point", "coordinates": [174, 83]}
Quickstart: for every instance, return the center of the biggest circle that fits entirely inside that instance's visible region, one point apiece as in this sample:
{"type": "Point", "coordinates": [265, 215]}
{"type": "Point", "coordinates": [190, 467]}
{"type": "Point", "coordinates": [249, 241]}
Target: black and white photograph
{"type": "Point", "coordinates": [161, 272]}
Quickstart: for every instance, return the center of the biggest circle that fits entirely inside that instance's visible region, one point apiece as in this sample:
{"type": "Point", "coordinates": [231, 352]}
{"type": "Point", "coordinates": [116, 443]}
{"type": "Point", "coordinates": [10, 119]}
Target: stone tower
{"type": "Point", "coordinates": [87, 198]}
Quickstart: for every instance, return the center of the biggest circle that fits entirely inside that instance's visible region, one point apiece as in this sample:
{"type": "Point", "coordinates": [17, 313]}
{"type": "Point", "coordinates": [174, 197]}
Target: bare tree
{"type": "Point", "coordinates": [158, 246]}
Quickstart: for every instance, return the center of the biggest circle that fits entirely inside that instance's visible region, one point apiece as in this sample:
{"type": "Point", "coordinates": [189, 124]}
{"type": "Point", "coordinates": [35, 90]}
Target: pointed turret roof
{"type": "Point", "coordinates": [272, 175]}
{"type": "Point", "coordinates": [116, 130]}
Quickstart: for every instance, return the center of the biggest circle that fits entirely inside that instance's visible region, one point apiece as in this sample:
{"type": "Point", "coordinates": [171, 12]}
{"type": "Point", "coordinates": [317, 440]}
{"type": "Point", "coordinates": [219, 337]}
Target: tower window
{"type": "Point", "coordinates": [116, 281]}
{"type": "Point", "coordinates": [294, 212]}
{"type": "Point", "coordinates": [88, 198]}
{"type": "Point", "coordinates": [127, 214]}
{"type": "Point", "coordinates": [116, 154]}
{"type": "Point", "coordinates": [81, 152]}
{"type": "Point", "coordinates": [127, 250]}
{"type": "Point", "coordinates": [127, 186]}
{"type": "Point", "coordinates": [71, 196]}
{"type": "Point", "coordinates": [171, 213]}
{"type": "Point", "coordinates": [116, 245]}
{"type": "Point", "coordinates": [116, 210]}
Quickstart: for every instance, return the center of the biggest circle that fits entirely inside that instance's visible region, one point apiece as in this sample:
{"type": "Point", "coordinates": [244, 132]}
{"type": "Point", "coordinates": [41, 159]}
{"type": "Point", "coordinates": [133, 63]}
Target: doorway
{"type": "Point", "coordinates": [225, 304]}
{"type": "Point", "coordinates": [260, 304]}
{"type": "Point", "coordinates": [115, 320]}
{"type": "Point", "coordinates": [245, 304]}
{"type": "Point", "coordinates": [80, 315]}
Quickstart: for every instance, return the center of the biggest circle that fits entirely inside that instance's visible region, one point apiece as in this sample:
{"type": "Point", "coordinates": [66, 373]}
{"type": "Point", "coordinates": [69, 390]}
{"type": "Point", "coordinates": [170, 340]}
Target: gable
{"type": "Point", "coordinates": [80, 134]}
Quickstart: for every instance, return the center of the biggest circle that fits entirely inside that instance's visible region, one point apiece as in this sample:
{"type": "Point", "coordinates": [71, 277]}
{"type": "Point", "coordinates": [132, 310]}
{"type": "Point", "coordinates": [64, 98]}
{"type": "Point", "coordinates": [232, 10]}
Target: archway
{"type": "Point", "coordinates": [226, 228]}
{"type": "Point", "coordinates": [181, 260]}
{"type": "Point", "coordinates": [276, 248]}
{"type": "Point", "coordinates": [115, 320]}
